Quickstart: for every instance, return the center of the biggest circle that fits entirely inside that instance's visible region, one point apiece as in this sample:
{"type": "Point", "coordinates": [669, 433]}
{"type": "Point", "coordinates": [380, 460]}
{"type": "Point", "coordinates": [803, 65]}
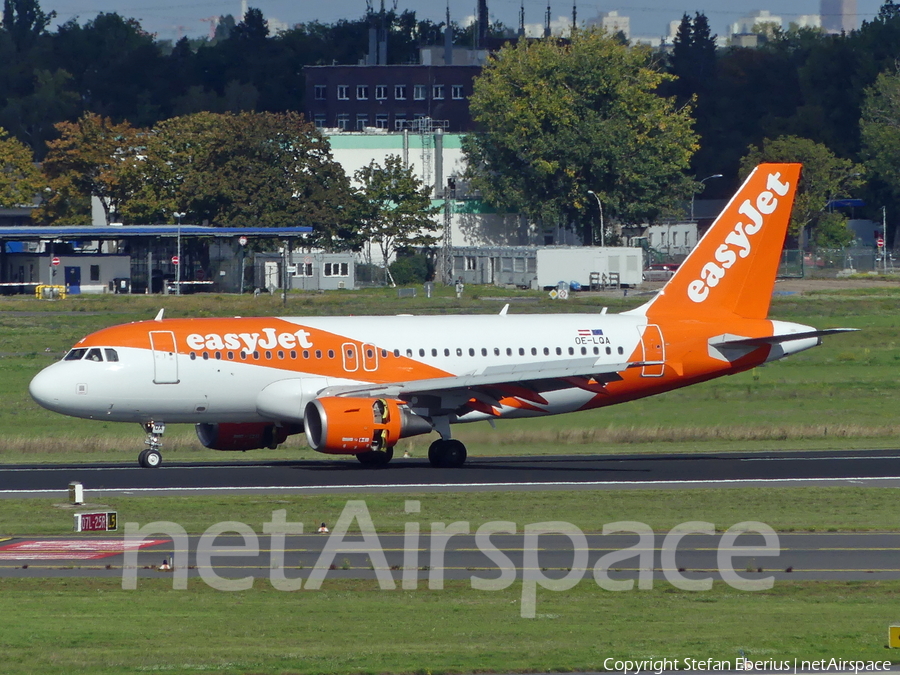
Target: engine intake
{"type": "Point", "coordinates": [349, 426]}
{"type": "Point", "coordinates": [243, 436]}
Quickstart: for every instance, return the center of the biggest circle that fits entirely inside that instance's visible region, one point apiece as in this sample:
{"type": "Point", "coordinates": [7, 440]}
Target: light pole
{"type": "Point", "coordinates": [178, 216]}
{"type": "Point", "coordinates": [600, 206]}
{"type": "Point", "coordinates": [715, 175]}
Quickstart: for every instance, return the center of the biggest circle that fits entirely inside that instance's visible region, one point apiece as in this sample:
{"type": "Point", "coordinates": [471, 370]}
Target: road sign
{"type": "Point", "coordinates": [242, 241]}
{"type": "Point", "coordinates": [175, 260]}
{"type": "Point", "coordinates": [55, 262]}
{"type": "Point", "coordinates": [879, 242]}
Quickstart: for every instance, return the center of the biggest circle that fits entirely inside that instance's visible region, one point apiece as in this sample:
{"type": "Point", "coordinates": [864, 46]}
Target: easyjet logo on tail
{"type": "Point", "coordinates": [738, 242]}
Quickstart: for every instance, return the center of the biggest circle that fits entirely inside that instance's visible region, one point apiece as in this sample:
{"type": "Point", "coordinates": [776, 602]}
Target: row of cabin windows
{"type": "Point", "coordinates": [509, 351]}
{"type": "Point", "coordinates": [370, 353]}
{"type": "Point", "coordinates": [419, 91]}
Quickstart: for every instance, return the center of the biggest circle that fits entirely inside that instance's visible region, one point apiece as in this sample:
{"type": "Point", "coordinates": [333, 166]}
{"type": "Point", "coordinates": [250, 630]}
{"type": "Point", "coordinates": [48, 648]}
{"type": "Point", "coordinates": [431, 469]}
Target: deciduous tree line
{"type": "Point", "coordinates": [227, 170]}
{"type": "Point", "coordinates": [173, 129]}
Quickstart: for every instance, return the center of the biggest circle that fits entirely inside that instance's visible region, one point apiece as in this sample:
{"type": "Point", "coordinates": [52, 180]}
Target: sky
{"type": "Point", "coordinates": [170, 19]}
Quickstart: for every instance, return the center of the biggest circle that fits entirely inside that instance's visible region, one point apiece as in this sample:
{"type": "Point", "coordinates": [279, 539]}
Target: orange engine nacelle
{"type": "Point", "coordinates": [349, 426]}
{"type": "Point", "coordinates": [243, 436]}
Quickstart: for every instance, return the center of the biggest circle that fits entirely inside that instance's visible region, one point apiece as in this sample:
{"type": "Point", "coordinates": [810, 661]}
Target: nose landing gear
{"type": "Point", "coordinates": [151, 457]}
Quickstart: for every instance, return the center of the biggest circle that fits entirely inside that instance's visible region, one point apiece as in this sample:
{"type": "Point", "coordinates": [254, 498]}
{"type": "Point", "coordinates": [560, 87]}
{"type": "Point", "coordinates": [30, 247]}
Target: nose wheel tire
{"type": "Point", "coordinates": [376, 457]}
{"type": "Point", "coordinates": [448, 454]}
{"type": "Point", "coordinates": [150, 459]}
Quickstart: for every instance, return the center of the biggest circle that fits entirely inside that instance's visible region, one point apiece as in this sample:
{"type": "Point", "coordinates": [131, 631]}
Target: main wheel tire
{"type": "Point", "coordinates": [450, 453]}
{"type": "Point", "coordinates": [454, 454]}
{"type": "Point", "coordinates": [152, 459]}
{"type": "Point", "coordinates": [435, 452]}
{"type": "Point", "coordinates": [376, 457]}
{"type": "Point", "coordinates": [142, 458]}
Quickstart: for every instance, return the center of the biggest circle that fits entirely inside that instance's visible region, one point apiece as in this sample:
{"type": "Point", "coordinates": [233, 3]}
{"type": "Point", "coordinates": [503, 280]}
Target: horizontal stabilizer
{"type": "Point", "coordinates": [778, 339]}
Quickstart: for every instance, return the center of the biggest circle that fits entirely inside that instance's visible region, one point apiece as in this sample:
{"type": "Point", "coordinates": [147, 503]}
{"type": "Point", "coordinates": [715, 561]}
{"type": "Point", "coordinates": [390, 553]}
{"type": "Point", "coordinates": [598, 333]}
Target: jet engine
{"type": "Point", "coordinates": [245, 436]}
{"type": "Point", "coordinates": [349, 426]}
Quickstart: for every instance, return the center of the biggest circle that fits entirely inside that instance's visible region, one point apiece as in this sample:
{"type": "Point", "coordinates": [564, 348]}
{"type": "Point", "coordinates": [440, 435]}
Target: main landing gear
{"type": "Point", "coordinates": [447, 453]}
{"type": "Point", "coordinates": [151, 457]}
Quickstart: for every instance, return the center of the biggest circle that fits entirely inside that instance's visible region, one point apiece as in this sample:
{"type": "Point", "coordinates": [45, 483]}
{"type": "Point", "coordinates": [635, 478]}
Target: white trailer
{"type": "Point", "coordinates": [577, 263]}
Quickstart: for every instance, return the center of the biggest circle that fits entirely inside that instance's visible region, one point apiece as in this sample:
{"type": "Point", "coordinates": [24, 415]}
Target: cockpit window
{"type": "Point", "coordinates": [94, 355]}
{"type": "Point", "coordinates": [75, 355]}
{"type": "Point", "coordinates": [111, 354]}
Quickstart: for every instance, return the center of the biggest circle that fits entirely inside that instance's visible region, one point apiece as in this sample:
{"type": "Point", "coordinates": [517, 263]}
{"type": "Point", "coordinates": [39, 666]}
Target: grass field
{"type": "Point", "coordinates": [67, 626]}
{"type": "Point", "coordinates": [784, 509]}
{"type": "Point", "coordinates": [841, 394]}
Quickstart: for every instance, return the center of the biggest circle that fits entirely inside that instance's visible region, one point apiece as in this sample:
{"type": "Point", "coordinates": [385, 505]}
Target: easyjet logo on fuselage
{"type": "Point", "coordinates": [270, 338]}
{"type": "Point", "coordinates": [737, 242]}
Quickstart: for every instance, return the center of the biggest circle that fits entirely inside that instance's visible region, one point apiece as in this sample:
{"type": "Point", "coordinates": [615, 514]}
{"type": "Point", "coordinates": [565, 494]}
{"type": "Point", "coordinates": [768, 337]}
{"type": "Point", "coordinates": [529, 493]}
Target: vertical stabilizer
{"type": "Point", "coordinates": [733, 267]}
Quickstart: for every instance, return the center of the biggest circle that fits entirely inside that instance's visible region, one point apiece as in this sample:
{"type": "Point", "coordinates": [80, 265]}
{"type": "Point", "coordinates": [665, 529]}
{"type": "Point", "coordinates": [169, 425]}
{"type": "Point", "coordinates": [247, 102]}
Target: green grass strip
{"type": "Point", "coordinates": [350, 626]}
{"type": "Point", "coordinates": [784, 509]}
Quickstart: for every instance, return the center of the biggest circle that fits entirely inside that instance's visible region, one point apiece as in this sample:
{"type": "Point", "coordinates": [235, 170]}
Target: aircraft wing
{"type": "Point", "coordinates": [525, 380]}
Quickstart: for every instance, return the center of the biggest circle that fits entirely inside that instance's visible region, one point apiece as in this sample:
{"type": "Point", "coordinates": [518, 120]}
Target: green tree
{"type": "Point", "coordinates": [90, 159]}
{"type": "Point", "coordinates": [825, 177]}
{"type": "Point", "coordinates": [248, 169]}
{"type": "Point", "coordinates": [559, 118]}
{"type": "Point", "coordinates": [693, 58]}
{"type": "Point", "coordinates": [397, 209]}
{"type": "Point", "coordinates": [31, 117]}
{"type": "Point", "coordinates": [880, 131]}
{"type": "Point", "coordinates": [25, 21]}
{"type": "Point", "coordinates": [20, 179]}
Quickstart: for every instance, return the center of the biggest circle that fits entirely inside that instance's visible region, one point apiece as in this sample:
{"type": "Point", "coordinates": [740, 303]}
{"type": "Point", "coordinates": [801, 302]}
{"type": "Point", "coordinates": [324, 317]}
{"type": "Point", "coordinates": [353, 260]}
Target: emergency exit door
{"type": "Point", "coordinates": [654, 351]}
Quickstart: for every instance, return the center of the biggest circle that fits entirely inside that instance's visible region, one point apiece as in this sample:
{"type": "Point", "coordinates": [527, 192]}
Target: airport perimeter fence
{"type": "Point", "coordinates": [830, 262]}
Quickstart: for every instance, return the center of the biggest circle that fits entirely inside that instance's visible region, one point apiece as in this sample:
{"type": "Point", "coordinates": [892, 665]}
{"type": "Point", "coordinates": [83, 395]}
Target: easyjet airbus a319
{"type": "Point", "coordinates": [357, 385]}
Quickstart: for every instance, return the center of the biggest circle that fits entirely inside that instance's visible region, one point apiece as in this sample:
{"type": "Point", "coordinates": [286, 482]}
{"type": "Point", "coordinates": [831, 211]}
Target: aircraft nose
{"type": "Point", "coordinates": [44, 389]}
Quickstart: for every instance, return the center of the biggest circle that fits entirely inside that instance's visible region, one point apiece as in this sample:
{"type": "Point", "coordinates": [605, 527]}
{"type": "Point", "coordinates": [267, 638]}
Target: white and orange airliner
{"type": "Point", "coordinates": [357, 385]}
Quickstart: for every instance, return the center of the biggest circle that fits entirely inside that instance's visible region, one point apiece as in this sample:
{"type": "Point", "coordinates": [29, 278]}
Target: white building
{"type": "Point", "coordinates": [808, 21]}
{"type": "Point", "coordinates": [612, 23]}
{"type": "Point", "coordinates": [754, 21]}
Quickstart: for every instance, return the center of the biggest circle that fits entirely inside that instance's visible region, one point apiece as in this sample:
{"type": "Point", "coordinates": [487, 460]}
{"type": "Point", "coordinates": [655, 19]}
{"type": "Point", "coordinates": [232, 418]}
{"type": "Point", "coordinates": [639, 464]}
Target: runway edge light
{"type": "Point", "coordinates": [894, 637]}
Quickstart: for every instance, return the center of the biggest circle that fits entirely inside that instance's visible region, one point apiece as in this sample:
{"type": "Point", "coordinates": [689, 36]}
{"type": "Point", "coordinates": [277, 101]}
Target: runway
{"type": "Point", "coordinates": [866, 556]}
{"type": "Point", "coordinates": [865, 467]}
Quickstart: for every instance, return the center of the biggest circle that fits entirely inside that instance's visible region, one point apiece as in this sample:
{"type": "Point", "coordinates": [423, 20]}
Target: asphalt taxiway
{"type": "Point", "coordinates": [865, 467]}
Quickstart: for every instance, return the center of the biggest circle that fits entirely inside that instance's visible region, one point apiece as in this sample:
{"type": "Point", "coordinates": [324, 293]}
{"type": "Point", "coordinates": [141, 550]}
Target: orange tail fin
{"type": "Point", "coordinates": [733, 267]}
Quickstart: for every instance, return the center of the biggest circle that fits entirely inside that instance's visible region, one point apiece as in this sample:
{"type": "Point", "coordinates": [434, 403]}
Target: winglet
{"type": "Point", "coordinates": [504, 310]}
{"type": "Point", "coordinates": [159, 316]}
{"type": "Point", "coordinates": [732, 269]}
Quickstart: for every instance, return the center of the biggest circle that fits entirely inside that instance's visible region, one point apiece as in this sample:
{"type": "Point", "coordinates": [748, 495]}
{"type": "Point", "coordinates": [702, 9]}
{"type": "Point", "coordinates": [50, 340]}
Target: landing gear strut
{"type": "Point", "coordinates": [447, 453]}
{"type": "Point", "coordinates": [151, 457]}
